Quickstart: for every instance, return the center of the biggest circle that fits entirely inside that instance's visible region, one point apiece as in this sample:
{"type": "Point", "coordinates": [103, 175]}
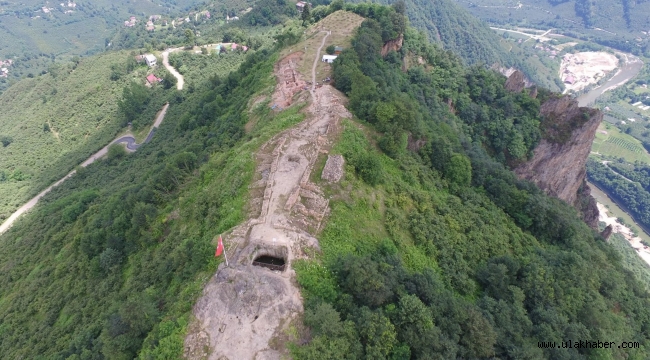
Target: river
{"type": "Point", "coordinates": [631, 67]}
{"type": "Point", "coordinates": [628, 71]}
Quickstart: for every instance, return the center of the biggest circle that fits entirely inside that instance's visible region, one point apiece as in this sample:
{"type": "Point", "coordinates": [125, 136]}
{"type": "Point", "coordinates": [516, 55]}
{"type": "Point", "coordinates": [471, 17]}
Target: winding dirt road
{"type": "Point", "coordinates": [130, 144]}
{"type": "Point", "coordinates": [177, 75]}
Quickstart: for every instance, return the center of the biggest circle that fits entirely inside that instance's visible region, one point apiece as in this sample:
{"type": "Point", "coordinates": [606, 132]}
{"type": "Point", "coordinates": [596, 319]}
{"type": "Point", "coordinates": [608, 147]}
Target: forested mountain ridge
{"type": "Point", "coordinates": [432, 249]}
{"type": "Point", "coordinates": [442, 20]}
{"type": "Point", "coordinates": [394, 262]}
{"type": "Point", "coordinates": [454, 28]}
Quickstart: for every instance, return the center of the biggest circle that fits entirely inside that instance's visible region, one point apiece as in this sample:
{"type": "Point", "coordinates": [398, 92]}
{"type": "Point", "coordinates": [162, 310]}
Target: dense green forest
{"type": "Point", "coordinates": [627, 186]}
{"type": "Point", "coordinates": [56, 121]}
{"type": "Point", "coordinates": [443, 253]}
{"type": "Point", "coordinates": [443, 20]}
{"type": "Point", "coordinates": [433, 249]}
{"type": "Point", "coordinates": [454, 28]}
{"type": "Point", "coordinates": [110, 263]}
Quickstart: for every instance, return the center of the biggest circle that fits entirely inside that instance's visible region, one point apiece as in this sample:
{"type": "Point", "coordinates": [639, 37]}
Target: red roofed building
{"type": "Point", "coordinates": [151, 79]}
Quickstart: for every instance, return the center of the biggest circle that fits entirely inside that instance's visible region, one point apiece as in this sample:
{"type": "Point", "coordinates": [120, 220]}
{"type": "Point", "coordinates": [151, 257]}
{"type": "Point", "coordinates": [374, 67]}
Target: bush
{"type": "Point", "coordinates": [369, 169]}
{"type": "Point", "coordinates": [330, 49]}
{"type": "Point", "coordinates": [6, 140]}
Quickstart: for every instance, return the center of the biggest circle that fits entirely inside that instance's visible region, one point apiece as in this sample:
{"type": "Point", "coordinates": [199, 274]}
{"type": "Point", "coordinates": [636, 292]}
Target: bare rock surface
{"type": "Point", "coordinates": [393, 45]}
{"type": "Point", "coordinates": [333, 170]}
{"type": "Point", "coordinates": [245, 307]}
{"type": "Point", "coordinates": [558, 164]}
{"type": "Point", "coordinates": [516, 82]}
{"type": "Point", "coordinates": [607, 232]}
{"type": "Point", "coordinates": [587, 206]}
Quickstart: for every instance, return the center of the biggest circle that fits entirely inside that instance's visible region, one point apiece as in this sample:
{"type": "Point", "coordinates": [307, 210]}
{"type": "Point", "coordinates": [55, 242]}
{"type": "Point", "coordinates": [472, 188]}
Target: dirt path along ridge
{"type": "Point", "coordinates": [244, 308]}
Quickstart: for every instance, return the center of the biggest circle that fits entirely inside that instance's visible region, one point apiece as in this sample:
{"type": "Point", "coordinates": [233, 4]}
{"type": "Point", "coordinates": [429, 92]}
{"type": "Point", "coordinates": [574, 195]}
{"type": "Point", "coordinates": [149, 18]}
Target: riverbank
{"type": "Point", "coordinates": [634, 241]}
{"type": "Point", "coordinates": [579, 70]}
{"type": "Point", "coordinates": [630, 67]}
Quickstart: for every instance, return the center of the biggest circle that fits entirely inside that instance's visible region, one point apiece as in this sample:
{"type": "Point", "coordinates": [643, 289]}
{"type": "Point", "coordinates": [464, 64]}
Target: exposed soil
{"type": "Point", "coordinates": [290, 82]}
{"type": "Point", "coordinates": [635, 241]}
{"type": "Point", "coordinates": [244, 307]}
{"type": "Point", "coordinates": [582, 69]}
{"type": "Point", "coordinates": [180, 80]}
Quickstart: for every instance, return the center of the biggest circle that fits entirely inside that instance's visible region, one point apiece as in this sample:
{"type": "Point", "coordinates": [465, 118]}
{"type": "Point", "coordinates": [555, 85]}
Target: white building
{"type": "Point", "coordinates": [150, 59]}
{"type": "Point", "coordinates": [329, 58]}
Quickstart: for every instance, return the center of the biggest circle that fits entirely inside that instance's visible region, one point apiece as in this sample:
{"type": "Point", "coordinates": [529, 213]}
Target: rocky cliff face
{"type": "Point", "coordinates": [393, 45]}
{"type": "Point", "coordinates": [558, 164]}
{"type": "Point", "coordinates": [516, 81]}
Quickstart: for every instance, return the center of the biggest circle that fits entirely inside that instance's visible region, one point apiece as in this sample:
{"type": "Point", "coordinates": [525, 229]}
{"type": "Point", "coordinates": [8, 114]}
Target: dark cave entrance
{"type": "Point", "coordinates": [270, 262]}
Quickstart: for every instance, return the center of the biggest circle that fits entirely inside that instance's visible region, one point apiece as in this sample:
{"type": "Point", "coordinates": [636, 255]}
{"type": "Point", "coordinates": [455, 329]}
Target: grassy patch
{"type": "Point", "coordinates": [611, 142]}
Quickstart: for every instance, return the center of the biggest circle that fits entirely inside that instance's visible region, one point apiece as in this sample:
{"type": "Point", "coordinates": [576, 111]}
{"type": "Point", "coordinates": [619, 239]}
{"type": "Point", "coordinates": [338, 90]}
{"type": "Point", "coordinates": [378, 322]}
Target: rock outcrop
{"type": "Point", "coordinates": [558, 164]}
{"type": "Point", "coordinates": [517, 76]}
{"type": "Point", "coordinates": [607, 232]}
{"type": "Point", "coordinates": [333, 170]}
{"type": "Point", "coordinates": [516, 82]}
{"type": "Point", "coordinates": [587, 206]}
{"type": "Point", "coordinates": [393, 45]}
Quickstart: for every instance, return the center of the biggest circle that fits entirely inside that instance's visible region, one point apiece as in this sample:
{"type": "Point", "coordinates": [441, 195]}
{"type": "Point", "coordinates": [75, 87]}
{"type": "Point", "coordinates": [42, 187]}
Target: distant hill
{"type": "Point", "coordinates": [472, 40]}
{"type": "Point", "coordinates": [36, 33]}
{"type": "Point", "coordinates": [622, 24]}
{"type": "Point", "coordinates": [452, 26]}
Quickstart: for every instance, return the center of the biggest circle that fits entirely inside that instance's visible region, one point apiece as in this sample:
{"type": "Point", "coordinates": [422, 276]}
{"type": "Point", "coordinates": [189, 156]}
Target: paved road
{"type": "Point", "coordinates": [130, 145]}
{"type": "Point", "coordinates": [177, 75]}
{"type": "Point", "coordinates": [530, 36]}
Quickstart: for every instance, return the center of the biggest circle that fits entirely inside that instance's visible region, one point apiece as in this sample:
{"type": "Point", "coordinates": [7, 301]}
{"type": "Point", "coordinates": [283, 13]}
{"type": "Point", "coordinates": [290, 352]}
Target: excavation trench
{"type": "Point", "coordinates": [270, 262]}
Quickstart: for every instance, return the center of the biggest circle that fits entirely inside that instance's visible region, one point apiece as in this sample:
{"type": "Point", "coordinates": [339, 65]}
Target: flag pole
{"type": "Point", "coordinates": [225, 253]}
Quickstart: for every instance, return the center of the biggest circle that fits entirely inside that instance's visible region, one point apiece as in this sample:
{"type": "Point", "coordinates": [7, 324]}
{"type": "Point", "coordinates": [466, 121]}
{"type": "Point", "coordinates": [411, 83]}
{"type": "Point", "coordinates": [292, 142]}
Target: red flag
{"type": "Point", "coordinates": [219, 248]}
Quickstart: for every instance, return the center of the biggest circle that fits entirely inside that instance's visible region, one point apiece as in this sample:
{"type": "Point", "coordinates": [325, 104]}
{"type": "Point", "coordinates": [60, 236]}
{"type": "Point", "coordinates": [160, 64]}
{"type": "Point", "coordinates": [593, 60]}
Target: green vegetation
{"type": "Point", "coordinates": [477, 43]}
{"type": "Point", "coordinates": [447, 254]}
{"type": "Point", "coordinates": [58, 120]}
{"type": "Point", "coordinates": [111, 261]}
{"type": "Point", "coordinates": [196, 68]}
{"type": "Point", "coordinates": [630, 259]}
{"type": "Point", "coordinates": [627, 145]}
{"type": "Point", "coordinates": [403, 103]}
{"type": "Point", "coordinates": [37, 40]}
{"type": "Point", "coordinates": [612, 144]}
{"type": "Point", "coordinates": [633, 195]}
{"type": "Point", "coordinates": [618, 24]}
{"type": "Point", "coordinates": [433, 248]}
